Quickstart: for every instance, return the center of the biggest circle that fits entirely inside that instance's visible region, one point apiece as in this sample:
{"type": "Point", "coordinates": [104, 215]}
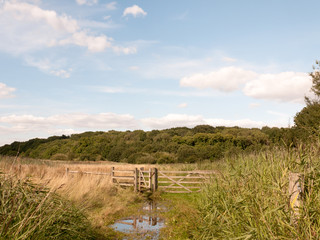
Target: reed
{"type": "Point", "coordinates": [249, 199]}
{"type": "Point", "coordinates": [29, 211]}
{"type": "Point", "coordinates": [99, 199]}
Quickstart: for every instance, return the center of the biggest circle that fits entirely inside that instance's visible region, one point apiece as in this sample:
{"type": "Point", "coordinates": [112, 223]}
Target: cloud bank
{"type": "Point", "coordinates": [26, 27]}
{"type": "Point", "coordinates": [281, 87]}
{"type": "Point", "coordinates": [24, 127]}
{"type": "Point", "coordinates": [87, 2]}
{"type": "Point", "coordinates": [5, 91]}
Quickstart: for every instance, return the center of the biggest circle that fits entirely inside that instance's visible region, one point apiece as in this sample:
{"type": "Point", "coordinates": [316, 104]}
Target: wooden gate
{"type": "Point", "coordinates": [182, 181]}
{"type": "Point", "coordinates": [167, 181]}
{"type": "Point", "coordinates": [152, 179]}
{"type": "Point", "coordinates": [140, 179]}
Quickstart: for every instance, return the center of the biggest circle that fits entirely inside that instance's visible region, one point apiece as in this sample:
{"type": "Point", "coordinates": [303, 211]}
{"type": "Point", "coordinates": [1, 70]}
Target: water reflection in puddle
{"type": "Point", "coordinates": [146, 225]}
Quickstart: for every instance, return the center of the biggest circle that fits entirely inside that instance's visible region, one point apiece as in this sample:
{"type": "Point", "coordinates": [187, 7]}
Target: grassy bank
{"type": "Point", "coordinates": [249, 199]}
{"type": "Point", "coordinates": [100, 201]}
{"type": "Point", "coordinates": [28, 211]}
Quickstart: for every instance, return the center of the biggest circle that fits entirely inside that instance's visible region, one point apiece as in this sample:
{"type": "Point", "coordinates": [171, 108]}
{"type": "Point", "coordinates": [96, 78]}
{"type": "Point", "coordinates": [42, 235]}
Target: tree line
{"type": "Point", "coordinates": [177, 145]}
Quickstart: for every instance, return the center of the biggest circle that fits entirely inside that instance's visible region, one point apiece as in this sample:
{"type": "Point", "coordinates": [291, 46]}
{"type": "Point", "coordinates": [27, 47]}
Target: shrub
{"type": "Point", "coordinates": [59, 156]}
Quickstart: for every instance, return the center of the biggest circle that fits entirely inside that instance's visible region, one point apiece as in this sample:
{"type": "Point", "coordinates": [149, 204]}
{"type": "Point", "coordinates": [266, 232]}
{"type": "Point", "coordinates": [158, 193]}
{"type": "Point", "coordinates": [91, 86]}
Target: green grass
{"type": "Point", "coordinates": [29, 211]}
{"type": "Point", "coordinates": [250, 199]}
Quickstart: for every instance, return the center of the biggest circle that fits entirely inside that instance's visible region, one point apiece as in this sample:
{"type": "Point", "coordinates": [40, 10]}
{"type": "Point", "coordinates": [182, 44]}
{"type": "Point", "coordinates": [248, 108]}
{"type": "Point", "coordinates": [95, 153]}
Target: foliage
{"type": "Point", "coordinates": [315, 76]}
{"type": "Point", "coordinates": [249, 198]}
{"type": "Point", "coordinates": [175, 145]}
{"type": "Point", "coordinates": [307, 120]}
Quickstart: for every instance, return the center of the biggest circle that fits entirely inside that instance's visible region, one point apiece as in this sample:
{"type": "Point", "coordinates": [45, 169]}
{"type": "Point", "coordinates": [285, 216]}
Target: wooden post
{"type": "Point", "coordinates": [67, 172]}
{"type": "Point", "coordinates": [112, 175]}
{"type": "Point", "coordinates": [155, 179]}
{"type": "Point", "coordinates": [140, 178]}
{"type": "Point", "coordinates": [136, 179]}
{"type": "Point", "coordinates": [150, 180]}
{"type": "Point", "coordinates": [295, 193]}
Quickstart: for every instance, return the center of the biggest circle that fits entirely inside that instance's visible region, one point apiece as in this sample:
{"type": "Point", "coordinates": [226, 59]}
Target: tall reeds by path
{"type": "Point", "coordinates": [29, 211]}
{"type": "Point", "coordinates": [249, 199]}
{"type": "Point", "coordinates": [95, 195]}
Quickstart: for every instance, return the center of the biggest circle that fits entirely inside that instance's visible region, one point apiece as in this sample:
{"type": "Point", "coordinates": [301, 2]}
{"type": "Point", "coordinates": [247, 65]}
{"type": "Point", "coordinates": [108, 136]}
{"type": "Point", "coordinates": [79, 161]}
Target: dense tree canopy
{"type": "Point", "coordinates": [173, 145]}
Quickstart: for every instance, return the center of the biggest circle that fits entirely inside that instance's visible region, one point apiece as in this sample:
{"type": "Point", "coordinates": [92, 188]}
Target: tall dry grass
{"type": "Point", "coordinates": [100, 199]}
{"type": "Point", "coordinates": [29, 211]}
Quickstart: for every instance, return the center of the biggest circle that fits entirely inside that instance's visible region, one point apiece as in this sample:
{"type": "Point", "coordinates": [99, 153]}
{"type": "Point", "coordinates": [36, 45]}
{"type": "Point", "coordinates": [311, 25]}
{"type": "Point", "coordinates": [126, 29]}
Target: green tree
{"type": "Point", "coordinates": [315, 76]}
{"type": "Point", "coordinates": [307, 121]}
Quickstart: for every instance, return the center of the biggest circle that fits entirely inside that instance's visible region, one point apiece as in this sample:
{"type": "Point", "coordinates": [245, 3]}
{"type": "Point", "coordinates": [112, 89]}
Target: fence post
{"type": "Point", "coordinates": [155, 179]}
{"type": "Point", "coordinates": [112, 175]}
{"type": "Point", "coordinates": [150, 180]}
{"type": "Point", "coordinates": [67, 171]}
{"type": "Point", "coordinates": [295, 193]}
{"type": "Point", "coordinates": [136, 179]}
{"type": "Point", "coordinates": [140, 177]}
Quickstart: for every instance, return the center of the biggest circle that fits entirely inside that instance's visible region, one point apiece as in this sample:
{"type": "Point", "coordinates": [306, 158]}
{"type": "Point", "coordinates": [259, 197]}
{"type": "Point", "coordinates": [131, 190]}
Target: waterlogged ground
{"type": "Point", "coordinates": [146, 224]}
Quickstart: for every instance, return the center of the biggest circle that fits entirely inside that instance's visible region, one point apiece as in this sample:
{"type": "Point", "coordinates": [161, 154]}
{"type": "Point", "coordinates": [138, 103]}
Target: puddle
{"type": "Point", "coordinates": [145, 225]}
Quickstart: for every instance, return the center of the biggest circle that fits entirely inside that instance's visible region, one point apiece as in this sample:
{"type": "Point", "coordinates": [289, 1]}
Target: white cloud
{"type": "Point", "coordinates": [101, 121]}
{"type": "Point", "coordinates": [173, 120]}
{"type": "Point", "coordinates": [247, 123]}
{"type": "Point", "coordinates": [183, 120]}
{"type": "Point", "coordinates": [76, 120]}
{"type": "Point", "coordinates": [111, 6]}
{"type": "Point", "coordinates": [46, 65]}
{"type": "Point", "coordinates": [5, 91]}
{"type": "Point", "coordinates": [90, 24]}
{"type": "Point", "coordinates": [26, 27]}
{"type": "Point", "coordinates": [135, 11]}
{"type": "Point", "coordinates": [182, 105]}
{"type": "Point", "coordinates": [62, 73]}
{"type": "Point", "coordinates": [24, 127]}
{"type": "Point", "coordinates": [150, 91]}
{"type": "Point", "coordinates": [87, 2]}
{"type": "Point", "coordinates": [282, 87]}
{"type": "Point", "coordinates": [125, 50]}
{"type": "Point", "coordinates": [93, 43]}
{"type": "Point", "coordinates": [225, 79]}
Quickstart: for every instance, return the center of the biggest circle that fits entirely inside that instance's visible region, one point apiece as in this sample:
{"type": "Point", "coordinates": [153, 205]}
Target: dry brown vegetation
{"type": "Point", "coordinates": [101, 200]}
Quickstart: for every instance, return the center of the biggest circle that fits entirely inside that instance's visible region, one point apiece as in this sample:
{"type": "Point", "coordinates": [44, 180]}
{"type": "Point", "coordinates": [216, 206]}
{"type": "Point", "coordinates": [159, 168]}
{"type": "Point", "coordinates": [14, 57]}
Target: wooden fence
{"type": "Point", "coordinates": [182, 181]}
{"type": "Point", "coordinates": [154, 179]}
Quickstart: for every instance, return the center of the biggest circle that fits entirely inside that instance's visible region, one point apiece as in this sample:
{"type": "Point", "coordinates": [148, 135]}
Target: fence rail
{"type": "Point", "coordinates": [154, 179]}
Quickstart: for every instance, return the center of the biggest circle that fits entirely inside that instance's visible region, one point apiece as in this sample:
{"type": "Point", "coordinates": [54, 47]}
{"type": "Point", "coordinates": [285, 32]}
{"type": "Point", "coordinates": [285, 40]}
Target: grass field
{"type": "Point", "coordinates": [247, 199]}
{"type": "Point", "coordinates": [100, 200]}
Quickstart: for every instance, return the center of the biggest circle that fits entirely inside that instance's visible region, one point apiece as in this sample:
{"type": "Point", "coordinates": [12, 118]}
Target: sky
{"type": "Point", "coordinates": [70, 66]}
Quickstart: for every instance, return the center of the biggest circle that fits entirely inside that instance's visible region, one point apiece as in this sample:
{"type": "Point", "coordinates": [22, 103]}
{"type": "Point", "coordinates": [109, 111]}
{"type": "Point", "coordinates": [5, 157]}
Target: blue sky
{"type": "Point", "coordinates": [96, 65]}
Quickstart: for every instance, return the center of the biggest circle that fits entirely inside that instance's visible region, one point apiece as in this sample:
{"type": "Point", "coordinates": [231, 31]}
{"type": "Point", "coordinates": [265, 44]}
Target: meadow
{"type": "Point", "coordinates": [247, 199]}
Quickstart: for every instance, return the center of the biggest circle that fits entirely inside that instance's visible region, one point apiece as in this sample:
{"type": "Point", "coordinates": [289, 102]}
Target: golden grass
{"type": "Point", "coordinates": [101, 200]}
